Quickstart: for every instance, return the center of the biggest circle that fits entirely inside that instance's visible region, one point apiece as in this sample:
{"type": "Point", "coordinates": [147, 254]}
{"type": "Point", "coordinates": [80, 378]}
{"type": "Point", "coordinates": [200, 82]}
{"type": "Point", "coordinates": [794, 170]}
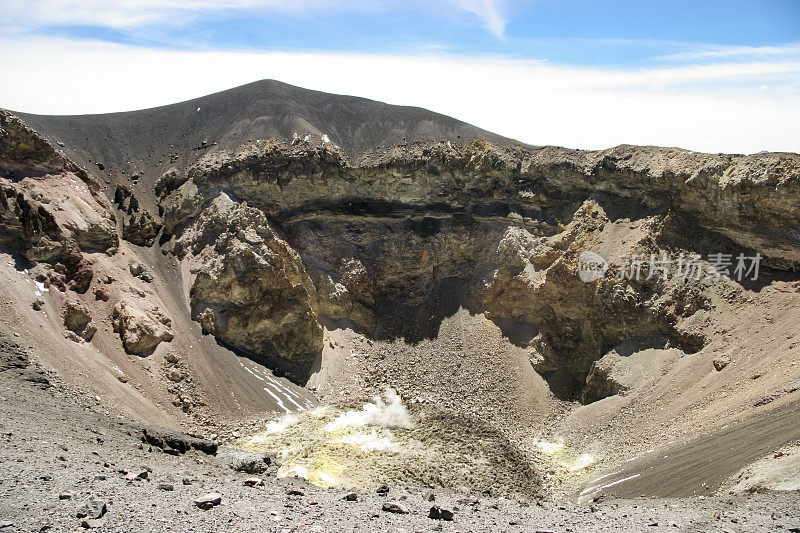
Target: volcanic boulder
{"type": "Point", "coordinates": [140, 328]}
{"type": "Point", "coordinates": [78, 320]}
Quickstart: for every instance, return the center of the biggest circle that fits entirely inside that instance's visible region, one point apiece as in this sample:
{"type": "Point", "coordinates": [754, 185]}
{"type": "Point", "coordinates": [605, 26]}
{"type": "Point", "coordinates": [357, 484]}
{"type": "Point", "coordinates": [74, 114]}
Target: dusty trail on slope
{"type": "Point", "coordinates": [700, 466]}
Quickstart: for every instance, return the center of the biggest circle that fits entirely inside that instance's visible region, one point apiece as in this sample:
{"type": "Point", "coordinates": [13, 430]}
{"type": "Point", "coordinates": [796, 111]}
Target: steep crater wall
{"type": "Point", "coordinates": [392, 244]}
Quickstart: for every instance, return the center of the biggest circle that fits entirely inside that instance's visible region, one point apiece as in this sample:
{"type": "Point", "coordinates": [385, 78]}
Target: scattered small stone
{"type": "Point", "coordinates": [133, 476]}
{"type": "Point", "coordinates": [172, 357]}
{"type": "Point", "coordinates": [394, 507]}
{"type": "Point", "coordinates": [351, 497]}
{"type": "Point", "coordinates": [6, 523]}
{"type": "Point", "coordinates": [253, 482]}
{"type": "Point", "coordinates": [186, 481]}
{"type": "Point", "coordinates": [295, 492]}
{"type": "Point", "coordinates": [65, 496]}
{"type": "Point", "coordinates": [429, 496]}
{"type": "Point", "coordinates": [383, 490]}
{"type": "Point", "coordinates": [468, 500]}
{"type": "Point", "coordinates": [440, 513]}
{"type": "Point", "coordinates": [207, 501]}
{"type": "Point", "coordinates": [721, 362]}
{"type": "Point", "coordinates": [92, 523]}
{"type": "Point", "coordinates": [166, 487]}
{"type": "Point", "coordinates": [174, 375]}
{"type": "Point", "coordinates": [93, 508]}
{"type": "Point", "coordinates": [101, 293]}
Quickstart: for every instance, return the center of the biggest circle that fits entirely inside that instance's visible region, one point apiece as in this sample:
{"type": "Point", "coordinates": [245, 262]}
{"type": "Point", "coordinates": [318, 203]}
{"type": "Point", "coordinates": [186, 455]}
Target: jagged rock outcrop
{"type": "Point", "coordinates": [251, 289]}
{"type": "Point", "coordinates": [25, 153]}
{"type": "Point", "coordinates": [51, 211]}
{"type": "Point", "coordinates": [45, 218]}
{"type": "Point", "coordinates": [138, 225]}
{"type": "Point", "coordinates": [544, 183]}
{"type": "Point", "coordinates": [181, 204]}
{"type": "Point", "coordinates": [140, 326]}
{"type": "Point", "coordinates": [537, 283]}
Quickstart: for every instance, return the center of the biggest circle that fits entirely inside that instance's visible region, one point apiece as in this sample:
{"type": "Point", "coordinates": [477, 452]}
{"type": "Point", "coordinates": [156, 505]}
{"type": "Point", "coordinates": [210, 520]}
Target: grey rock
{"type": "Point", "coordinates": [248, 462]}
{"type": "Point", "coordinates": [93, 508]}
{"type": "Point", "coordinates": [175, 375]}
{"type": "Point", "coordinates": [440, 513]}
{"type": "Point", "coordinates": [721, 362]}
{"type": "Point", "coordinates": [207, 501]}
{"type": "Point", "coordinates": [175, 443]}
{"type": "Point", "coordinates": [92, 523]}
{"type": "Point", "coordinates": [133, 476]}
{"type": "Point", "coordinates": [394, 507]}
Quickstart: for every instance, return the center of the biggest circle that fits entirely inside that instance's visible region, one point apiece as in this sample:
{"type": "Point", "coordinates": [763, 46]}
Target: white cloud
{"type": "Point", "coordinates": [715, 52]}
{"type": "Point", "coordinates": [733, 107]}
{"type": "Point", "coordinates": [129, 14]}
{"type": "Point", "coordinates": [491, 11]}
{"type": "Point", "coordinates": [126, 13]}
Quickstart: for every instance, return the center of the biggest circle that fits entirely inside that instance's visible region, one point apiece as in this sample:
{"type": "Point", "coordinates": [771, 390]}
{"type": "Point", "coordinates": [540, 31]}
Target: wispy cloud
{"type": "Point", "coordinates": [737, 107]}
{"type": "Point", "coordinates": [492, 12]}
{"type": "Point", "coordinates": [124, 14]}
{"type": "Point", "coordinates": [701, 51]}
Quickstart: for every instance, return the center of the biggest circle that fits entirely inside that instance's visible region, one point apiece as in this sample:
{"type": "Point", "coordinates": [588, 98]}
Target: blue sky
{"type": "Point", "coordinates": [663, 71]}
{"type": "Point", "coordinates": [623, 33]}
